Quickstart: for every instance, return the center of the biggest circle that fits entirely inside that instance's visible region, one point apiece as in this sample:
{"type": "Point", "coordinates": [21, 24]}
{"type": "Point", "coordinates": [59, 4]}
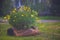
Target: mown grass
{"type": "Point", "coordinates": [48, 31]}
{"type": "Point", "coordinates": [49, 18]}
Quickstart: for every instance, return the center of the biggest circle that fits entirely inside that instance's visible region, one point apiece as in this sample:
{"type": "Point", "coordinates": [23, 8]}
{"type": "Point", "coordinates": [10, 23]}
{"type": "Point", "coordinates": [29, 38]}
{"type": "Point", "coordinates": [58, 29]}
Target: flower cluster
{"type": "Point", "coordinates": [14, 10]}
{"type": "Point", "coordinates": [7, 17]}
{"type": "Point", "coordinates": [24, 8]}
{"type": "Point", "coordinates": [22, 18]}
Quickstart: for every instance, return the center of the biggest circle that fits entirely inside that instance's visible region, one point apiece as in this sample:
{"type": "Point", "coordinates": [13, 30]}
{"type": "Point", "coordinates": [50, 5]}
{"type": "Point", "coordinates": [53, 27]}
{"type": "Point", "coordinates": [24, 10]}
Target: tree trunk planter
{"type": "Point", "coordinates": [22, 20]}
{"type": "Point", "coordinates": [26, 32]}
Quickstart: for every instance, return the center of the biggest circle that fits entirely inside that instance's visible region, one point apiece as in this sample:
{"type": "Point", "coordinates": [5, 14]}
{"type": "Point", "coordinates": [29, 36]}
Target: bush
{"type": "Point", "coordinates": [23, 18]}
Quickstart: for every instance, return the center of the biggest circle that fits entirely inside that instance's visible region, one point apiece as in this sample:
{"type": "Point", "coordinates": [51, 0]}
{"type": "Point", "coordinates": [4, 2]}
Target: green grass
{"type": "Point", "coordinates": [48, 31]}
{"type": "Point", "coordinates": [49, 17]}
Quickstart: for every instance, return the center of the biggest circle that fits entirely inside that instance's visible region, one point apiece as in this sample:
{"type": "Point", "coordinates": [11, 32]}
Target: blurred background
{"type": "Point", "coordinates": [46, 8]}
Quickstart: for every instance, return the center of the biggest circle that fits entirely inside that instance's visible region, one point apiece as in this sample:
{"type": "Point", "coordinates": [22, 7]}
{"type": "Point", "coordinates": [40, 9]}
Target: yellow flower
{"type": "Point", "coordinates": [8, 17]}
{"type": "Point", "coordinates": [25, 8]}
{"type": "Point", "coordinates": [13, 11]}
{"type": "Point", "coordinates": [22, 15]}
{"type": "Point", "coordinates": [29, 8]}
{"type": "Point", "coordinates": [32, 15]}
{"type": "Point", "coordinates": [5, 17]}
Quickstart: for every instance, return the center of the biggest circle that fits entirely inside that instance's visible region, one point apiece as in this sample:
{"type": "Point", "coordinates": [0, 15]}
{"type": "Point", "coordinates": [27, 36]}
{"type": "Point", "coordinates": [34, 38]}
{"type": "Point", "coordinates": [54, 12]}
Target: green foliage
{"type": "Point", "coordinates": [23, 18]}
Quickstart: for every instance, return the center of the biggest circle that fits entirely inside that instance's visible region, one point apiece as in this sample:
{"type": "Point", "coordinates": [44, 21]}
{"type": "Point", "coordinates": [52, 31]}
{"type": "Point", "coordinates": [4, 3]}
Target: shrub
{"type": "Point", "coordinates": [23, 18]}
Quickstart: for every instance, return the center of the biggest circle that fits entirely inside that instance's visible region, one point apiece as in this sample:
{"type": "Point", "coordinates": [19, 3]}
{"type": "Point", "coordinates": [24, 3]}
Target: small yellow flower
{"type": "Point", "coordinates": [13, 11]}
{"type": "Point", "coordinates": [29, 8]}
{"type": "Point", "coordinates": [32, 15]}
{"type": "Point", "coordinates": [5, 17]}
{"type": "Point", "coordinates": [13, 20]}
{"type": "Point", "coordinates": [25, 8]}
{"type": "Point", "coordinates": [8, 17]}
{"type": "Point", "coordinates": [22, 15]}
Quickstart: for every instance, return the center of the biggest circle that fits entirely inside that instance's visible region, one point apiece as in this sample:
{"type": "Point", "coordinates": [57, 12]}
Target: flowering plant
{"type": "Point", "coordinates": [23, 18]}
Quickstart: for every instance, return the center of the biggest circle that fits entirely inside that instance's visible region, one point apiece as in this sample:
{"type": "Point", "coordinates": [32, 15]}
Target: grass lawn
{"type": "Point", "coordinates": [48, 31]}
{"type": "Point", "coordinates": [49, 17]}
